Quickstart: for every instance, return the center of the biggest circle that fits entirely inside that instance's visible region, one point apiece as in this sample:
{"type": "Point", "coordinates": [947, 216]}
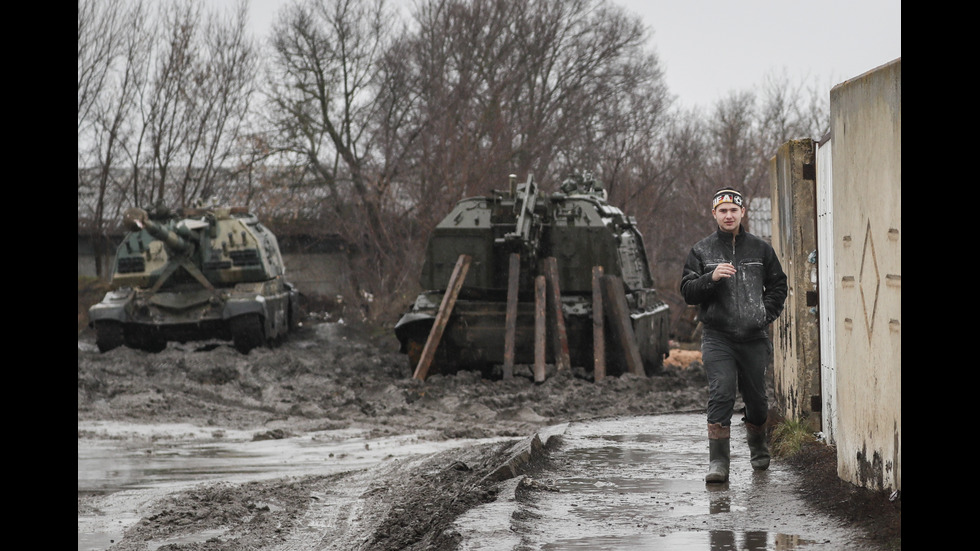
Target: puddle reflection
{"type": "Point", "coordinates": [715, 540]}
{"type": "Point", "coordinates": [720, 504]}
{"type": "Point", "coordinates": [614, 492]}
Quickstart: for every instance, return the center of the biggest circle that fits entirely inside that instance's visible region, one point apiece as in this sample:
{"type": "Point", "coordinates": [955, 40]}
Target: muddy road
{"type": "Point", "coordinates": [404, 464]}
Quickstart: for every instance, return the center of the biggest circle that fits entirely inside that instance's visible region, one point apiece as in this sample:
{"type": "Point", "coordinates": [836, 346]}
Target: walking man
{"type": "Point", "coordinates": [739, 285]}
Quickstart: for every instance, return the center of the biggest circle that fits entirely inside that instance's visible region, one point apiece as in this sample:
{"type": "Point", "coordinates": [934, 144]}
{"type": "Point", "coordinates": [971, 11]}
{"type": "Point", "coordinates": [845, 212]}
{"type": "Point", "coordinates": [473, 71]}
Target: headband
{"type": "Point", "coordinates": [726, 196]}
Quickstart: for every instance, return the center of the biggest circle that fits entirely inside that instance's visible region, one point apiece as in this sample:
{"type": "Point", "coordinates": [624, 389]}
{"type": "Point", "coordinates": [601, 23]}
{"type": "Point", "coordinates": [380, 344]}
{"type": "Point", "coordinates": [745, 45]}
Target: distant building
{"type": "Point", "coordinates": [760, 217]}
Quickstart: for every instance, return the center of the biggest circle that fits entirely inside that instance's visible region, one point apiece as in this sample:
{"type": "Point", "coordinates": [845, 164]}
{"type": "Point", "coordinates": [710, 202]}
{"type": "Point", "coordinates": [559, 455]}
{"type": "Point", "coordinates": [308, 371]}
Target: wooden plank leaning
{"type": "Point", "coordinates": [540, 329]}
{"type": "Point", "coordinates": [559, 337]}
{"type": "Point", "coordinates": [510, 321]}
{"type": "Point", "coordinates": [598, 331]}
{"type": "Point", "coordinates": [622, 327]}
{"type": "Point", "coordinates": [442, 317]}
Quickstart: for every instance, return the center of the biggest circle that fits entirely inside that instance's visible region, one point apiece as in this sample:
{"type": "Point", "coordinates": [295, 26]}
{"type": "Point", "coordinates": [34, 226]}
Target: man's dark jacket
{"type": "Point", "coordinates": [743, 305]}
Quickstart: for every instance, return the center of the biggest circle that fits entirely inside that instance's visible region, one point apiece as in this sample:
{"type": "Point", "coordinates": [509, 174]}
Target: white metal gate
{"type": "Point", "coordinates": [825, 288]}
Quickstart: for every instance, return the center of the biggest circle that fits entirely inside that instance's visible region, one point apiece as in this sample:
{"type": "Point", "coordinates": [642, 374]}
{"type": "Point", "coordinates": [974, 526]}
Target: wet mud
{"type": "Point", "coordinates": [410, 458]}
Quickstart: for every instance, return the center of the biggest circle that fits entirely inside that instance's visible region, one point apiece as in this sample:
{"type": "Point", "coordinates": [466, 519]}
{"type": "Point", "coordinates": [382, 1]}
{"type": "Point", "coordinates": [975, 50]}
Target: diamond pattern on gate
{"type": "Point", "coordinates": [869, 280]}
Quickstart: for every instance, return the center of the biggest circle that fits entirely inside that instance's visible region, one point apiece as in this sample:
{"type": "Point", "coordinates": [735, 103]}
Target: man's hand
{"type": "Point", "coordinates": [723, 270]}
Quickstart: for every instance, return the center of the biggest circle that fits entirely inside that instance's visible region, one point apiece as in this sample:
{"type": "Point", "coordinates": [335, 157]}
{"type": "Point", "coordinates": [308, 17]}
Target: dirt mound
{"type": "Point", "coordinates": [326, 375]}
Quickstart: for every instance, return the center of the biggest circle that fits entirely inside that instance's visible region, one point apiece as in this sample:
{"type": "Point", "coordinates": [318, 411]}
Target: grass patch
{"type": "Point", "coordinates": [789, 437]}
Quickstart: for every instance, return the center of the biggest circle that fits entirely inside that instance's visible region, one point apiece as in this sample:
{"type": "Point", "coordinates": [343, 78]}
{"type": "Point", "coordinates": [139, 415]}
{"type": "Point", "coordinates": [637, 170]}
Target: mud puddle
{"type": "Point", "coordinates": [638, 483]}
{"type": "Point", "coordinates": [130, 466]}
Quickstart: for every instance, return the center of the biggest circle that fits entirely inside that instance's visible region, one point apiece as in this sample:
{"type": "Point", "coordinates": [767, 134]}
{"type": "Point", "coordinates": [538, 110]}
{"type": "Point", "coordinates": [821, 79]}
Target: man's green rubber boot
{"type": "Point", "coordinates": [758, 446]}
{"type": "Point", "coordinates": [718, 452]}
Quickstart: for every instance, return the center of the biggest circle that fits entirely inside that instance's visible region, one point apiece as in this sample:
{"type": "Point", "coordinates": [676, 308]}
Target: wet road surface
{"type": "Point", "coordinates": [638, 483]}
{"type": "Point", "coordinates": [138, 464]}
{"type": "Point", "coordinates": [609, 484]}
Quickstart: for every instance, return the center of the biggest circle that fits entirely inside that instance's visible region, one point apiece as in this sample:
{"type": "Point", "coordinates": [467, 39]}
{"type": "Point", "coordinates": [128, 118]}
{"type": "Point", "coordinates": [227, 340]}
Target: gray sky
{"type": "Point", "coordinates": [709, 48]}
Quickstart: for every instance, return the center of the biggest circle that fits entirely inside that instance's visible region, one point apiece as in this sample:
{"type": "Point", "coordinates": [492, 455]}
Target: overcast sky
{"type": "Point", "coordinates": [709, 48]}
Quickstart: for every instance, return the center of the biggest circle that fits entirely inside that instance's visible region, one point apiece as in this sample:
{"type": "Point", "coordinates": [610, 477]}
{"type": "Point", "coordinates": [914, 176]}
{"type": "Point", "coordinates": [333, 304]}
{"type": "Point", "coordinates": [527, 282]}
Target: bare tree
{"type": "Point", "coordinates": [107, 107]}
{"type": "Point", "coordinates": [335, 97]}
{"type": "Point", "coordinates": [322, 88]}
{"type": "Point", "coordinates": [99, 30]}
{"type": "Point", "coordinates": [166, 115]}
{"type": "Point", "coordinates": [747, 128]}
{"type": "Point", "coordinates": [670, 210]}
{"type": "Point", "coordinates": [461, 59]}
{"type": "Point", "coordinates": [527, 87]}
{"type": "Point", "coordinates": [733, 146]}
{"type": "Point", "coordinates": [220, 93]}
{"type": "Point", "coordinates": [158, 121]}
{"type": "Point", "coordinates": [789, 111]}
{"type": "Point", "coordinates": [380, 128]}
{"type": "Point", "coordinates": [191, 95]}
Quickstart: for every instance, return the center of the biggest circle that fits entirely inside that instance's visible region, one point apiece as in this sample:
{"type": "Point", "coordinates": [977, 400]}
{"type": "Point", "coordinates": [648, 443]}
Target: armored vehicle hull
{"type": "Point", "coordinates": [580, 231]}
{"type": "Point", "coordinates": [215, 274]}
{"type": "Point", "coordinates": [474, 336]}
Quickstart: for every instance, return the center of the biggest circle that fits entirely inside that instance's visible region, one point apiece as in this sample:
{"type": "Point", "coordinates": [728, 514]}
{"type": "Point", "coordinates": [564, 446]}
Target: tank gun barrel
{"type": "Point", "coordinates": [525, 214]}
{"type": "Point", "coordinates": [136, 219]}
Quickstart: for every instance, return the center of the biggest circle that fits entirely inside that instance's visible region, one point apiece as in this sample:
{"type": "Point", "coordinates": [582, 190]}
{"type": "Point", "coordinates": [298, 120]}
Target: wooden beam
{"type": "Point", "coordinates": [510, 322]}
{"type": "Point", "coordinates": [559, 338]}
{"type": "Point", "coordinates": [622, 327]}
{"type": "Point", "coordinates": [540, 331]}
{"type": "Point", "coordinates": [598, 331]}
{"type": "Point", "coordinates": [442, 317]}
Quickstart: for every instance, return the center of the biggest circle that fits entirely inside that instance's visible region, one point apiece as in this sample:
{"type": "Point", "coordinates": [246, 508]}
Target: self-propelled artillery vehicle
{"type": "Point", "coordinates": [212, 273]}
{"type": "Point", "coordinates": [579, 230]}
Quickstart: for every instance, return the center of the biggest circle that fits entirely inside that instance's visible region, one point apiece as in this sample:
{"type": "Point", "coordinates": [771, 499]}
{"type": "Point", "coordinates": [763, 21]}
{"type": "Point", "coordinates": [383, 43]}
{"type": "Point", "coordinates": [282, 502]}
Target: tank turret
{"type": "Point", "coordinates": [575, 229]}
{"type": "Point", "coordinates": [136, 219]}
{"type": "Point", "coordinates": [209, 273]}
